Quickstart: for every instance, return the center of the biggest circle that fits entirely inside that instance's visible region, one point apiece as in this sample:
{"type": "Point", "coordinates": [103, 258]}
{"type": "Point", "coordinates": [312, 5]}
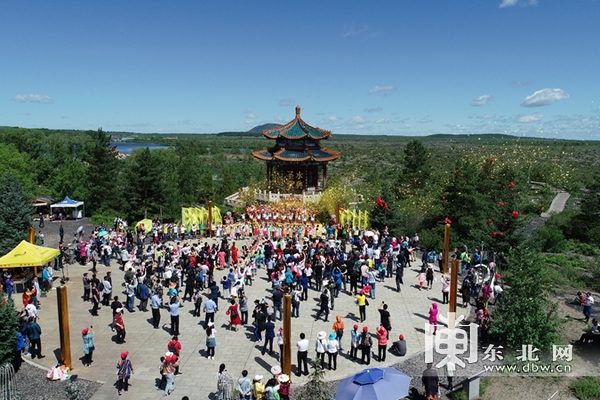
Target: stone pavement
{"type": "Point", "coordinates": [238, 350]}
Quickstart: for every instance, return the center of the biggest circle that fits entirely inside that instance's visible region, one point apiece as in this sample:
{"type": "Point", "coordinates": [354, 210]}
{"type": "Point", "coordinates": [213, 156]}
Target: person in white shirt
{"type": "Point", "coordinates": [302, 346]}
{"type": "Point", "coordinates": [333, 347]}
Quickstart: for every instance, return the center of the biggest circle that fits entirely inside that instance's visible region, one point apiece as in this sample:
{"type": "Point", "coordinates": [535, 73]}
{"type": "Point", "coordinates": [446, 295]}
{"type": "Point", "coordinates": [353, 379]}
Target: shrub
{"type": "Point", "coordinates": [587, 388]}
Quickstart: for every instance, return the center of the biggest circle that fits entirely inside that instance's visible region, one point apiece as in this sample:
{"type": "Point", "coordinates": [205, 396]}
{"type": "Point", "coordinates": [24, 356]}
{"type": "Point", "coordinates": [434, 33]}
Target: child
{"type": "Point", "coordinates": [421, 276]}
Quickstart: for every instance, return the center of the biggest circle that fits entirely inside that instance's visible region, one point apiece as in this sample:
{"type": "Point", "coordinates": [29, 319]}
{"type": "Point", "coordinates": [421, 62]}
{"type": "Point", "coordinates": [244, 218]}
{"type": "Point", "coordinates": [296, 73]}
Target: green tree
{"type": "Point", "coordinates": [416, 168]}
{"type": "Point", "coordinates": [586, 224]}
{"type": "Point", "coordinates": [101, 172]}
{"type": "Point", "coordinates": [144, 176]}
{"type": "Point", "coordinates": [526, 314]}
{"type": "Point", "coordinates": [9, 322]}
{"type": "Point", "coordinates": [316, 388]}
{"type": "Point", "coordinates": [15, 213]}
{"type": "Point", "coordinates": [227, 187]}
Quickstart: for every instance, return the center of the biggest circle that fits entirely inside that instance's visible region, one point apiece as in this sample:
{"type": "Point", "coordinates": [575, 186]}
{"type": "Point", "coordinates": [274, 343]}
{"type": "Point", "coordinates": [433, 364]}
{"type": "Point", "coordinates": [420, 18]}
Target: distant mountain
{"type": "Point", "coordinates": [261, 128]}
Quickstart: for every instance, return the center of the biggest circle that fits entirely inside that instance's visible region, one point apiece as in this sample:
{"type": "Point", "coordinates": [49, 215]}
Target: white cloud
{"type": "Point", "coordinates": [481, 100]}
{"type": "Point", "coordinates": [251, 115]}
{"type": "Point", "coordinates": [373, 109]}
{"type": "Point", "coordinates": [384, 90]}
{"type": "Point", "coordinates": [332, 118]}
{"type": "Point", "coordinates": [383, 121]}
{"type": "Point", "coordinates": [522, 3]}
{"type": "Point", "coordinates": [357, 120]}
{"type": "Point", "coordinates": [519, 84]}
{"type": "Point", "coordinates": [184, 122]}
{"type": "Point", "coordinates": [544, 97]}
{"type": "Point", "coordinates": [33, 98]}
{"type": "Point", "coordinates": [486, 116]}
{"type": "Point", "coordinates": [425, 120]}
{"type": "Point", "coordinates": [525, 119]}
{"type": "Point", "coordinates": [352, 30]}
{"type": "Point", "coordinates": [287, 102]}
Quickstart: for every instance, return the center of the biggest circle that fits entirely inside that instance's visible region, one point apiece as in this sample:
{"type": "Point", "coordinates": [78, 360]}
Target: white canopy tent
{"type": "Point", "coordinates": [70, 203]}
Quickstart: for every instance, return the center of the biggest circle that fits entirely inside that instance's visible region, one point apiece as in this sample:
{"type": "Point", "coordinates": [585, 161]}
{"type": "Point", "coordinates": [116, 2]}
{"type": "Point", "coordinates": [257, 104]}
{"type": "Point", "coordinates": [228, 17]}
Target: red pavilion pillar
{"type": "Point", "coordinates": [324, 175]}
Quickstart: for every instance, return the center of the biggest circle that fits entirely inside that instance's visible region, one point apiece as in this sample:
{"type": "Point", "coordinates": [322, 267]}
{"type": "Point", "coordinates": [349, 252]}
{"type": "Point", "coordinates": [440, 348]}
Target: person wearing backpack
{"type": "Point", "coordinates": [234, 315]}
{"type": "Point", "coordinates": [174, 346]}
{"type": "Point", "coordinates": [365, 345]}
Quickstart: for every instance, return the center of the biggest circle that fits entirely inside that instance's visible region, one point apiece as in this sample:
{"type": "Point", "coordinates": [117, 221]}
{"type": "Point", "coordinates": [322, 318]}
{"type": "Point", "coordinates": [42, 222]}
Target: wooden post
{"type": "Point", "coordinates": [209, 205]}
{"type": "Point", "coordinates": [287, 335]}
{"type": "Point", "coordinates": [31, 234]}
{"type": "Point", "coordinates": [446, 248]}
{"type": "Point", "coordinates": [453, 286]}
{"type": "Point", "coordinates": [63, 325]}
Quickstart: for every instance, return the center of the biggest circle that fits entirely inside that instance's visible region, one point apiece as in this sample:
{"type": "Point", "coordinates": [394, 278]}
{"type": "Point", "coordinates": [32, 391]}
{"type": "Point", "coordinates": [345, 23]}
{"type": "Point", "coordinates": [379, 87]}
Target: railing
{"type": "Point", "coordinates": [273, 197]}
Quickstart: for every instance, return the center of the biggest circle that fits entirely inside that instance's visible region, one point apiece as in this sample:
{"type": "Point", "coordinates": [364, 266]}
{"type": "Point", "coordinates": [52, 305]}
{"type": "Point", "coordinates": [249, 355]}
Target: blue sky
{"type": "Point", "coordinates": [404, 67]}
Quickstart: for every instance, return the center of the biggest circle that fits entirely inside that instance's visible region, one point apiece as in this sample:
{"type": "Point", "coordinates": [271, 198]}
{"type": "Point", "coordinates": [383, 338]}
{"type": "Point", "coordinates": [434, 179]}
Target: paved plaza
{"type": "Point", "coordinates": [238, 350]}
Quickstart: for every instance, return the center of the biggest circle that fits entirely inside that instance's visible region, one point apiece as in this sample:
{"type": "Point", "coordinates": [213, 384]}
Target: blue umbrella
{"type": "Point", "coordinates": [374, 383]}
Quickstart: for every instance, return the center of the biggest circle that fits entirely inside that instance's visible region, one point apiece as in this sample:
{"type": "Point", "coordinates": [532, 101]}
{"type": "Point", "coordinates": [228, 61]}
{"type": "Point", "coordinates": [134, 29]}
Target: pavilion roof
{"type": "Point", "coordinates": [296, 129]}
{"type": "Point", "coordinates": [297, 155]}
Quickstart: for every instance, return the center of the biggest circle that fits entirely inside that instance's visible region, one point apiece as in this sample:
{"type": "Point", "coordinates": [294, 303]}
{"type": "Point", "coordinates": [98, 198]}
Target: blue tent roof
{"type": "Point", "coordinates": [68, 202]}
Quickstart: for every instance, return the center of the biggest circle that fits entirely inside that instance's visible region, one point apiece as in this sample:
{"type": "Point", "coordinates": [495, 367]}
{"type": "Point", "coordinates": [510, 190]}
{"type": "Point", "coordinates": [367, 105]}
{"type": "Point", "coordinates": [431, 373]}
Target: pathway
{"type": "Point", "coordinates": [237, 350]}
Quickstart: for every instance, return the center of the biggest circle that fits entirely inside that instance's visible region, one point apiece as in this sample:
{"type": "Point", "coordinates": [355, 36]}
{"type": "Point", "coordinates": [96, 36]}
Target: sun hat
{"type": "Point", "coordinates": [211, 324]}
{"type": "Point", "coordinates": [365, 329]}
{"type": "Point", "coordinates": [258, 377]}
{"type": "Point", "coordinates": [283, 378]}
{"type": "Point", "coordinates": [124, 354]}
{"type": "Point", "coordinates": [168, 354]}
{"type": "Point", "coordinates": [321, 335]}
{"type": "Point", "coordinates": [401, 337]}
{"type": "Point", "coordinates": [84, 331]}
{"type": "Point", "coordinates": [120, 310]}
{"type": "Point", "coordinates": [275, 370]}
{"type": "Point", "coordinates": [332, 336]}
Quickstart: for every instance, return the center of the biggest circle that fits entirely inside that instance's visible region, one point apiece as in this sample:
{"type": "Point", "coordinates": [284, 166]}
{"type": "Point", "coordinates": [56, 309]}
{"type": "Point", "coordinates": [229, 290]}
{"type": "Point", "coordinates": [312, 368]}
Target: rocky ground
{"type": "Point", "coordinates": [32, 384]}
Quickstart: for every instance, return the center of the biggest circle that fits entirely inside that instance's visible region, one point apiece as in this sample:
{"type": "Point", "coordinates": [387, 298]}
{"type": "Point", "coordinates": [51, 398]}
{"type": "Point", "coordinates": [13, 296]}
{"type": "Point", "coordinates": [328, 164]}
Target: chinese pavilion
{"type": "Point", "coordinates": [296, 161]}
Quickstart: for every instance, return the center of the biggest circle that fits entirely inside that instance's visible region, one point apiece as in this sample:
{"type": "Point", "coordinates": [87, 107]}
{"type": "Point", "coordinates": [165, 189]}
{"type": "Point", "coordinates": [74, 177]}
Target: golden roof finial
{"type": "Point", "coordinates": [297, 111]}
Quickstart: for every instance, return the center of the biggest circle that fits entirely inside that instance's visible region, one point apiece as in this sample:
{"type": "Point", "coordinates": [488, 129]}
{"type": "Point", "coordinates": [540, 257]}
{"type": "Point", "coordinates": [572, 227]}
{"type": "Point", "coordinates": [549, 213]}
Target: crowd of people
{"type": "Point", "coordinates": [335, 262]}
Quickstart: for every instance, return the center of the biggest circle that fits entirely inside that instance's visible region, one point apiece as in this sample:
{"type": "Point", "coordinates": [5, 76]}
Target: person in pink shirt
{"type": "Point", "coordinates": [382, 334]}
{"type": "Point", "coordinates": [433, 315]}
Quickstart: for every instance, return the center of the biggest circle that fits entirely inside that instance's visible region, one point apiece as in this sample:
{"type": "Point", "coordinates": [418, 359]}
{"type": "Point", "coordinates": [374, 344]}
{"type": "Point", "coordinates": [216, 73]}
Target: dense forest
{"type": "Point", "coordinates": [480, 183]}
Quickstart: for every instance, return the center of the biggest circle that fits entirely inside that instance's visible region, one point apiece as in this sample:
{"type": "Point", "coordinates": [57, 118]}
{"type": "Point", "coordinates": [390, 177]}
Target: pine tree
{"type": "Point", "coordinates": [101, 172]}
{"type": "Point", "coordinates": [9, 322]}
{"type": "Point", "coordinates": [316, 388]}
{"type": "Point", "coordinates": [15, 213]}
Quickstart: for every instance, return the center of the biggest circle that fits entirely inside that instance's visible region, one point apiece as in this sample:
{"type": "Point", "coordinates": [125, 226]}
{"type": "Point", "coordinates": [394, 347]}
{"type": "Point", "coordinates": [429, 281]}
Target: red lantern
{"type": "Point", "coordinates": [511, 185]}
{"type": "Point", "coordinates": [443, 198]}
{"type": "Point", "coordinates": [489, 221]}
{"type": "Point", "coordinates": [515, 214]}
{"type": "Point", "coordinates": [447, 220]}
{"type": "Point", "coordinates": [493, 160]}
{"type": "Point", "coordinates": [501, 234]}
{"type": "Point", "coordinates": [385, 205]}
{"type": "Point", "coordinates": [500, 204]}
{"type": "Point", "coordinates": [494, 234]}
{"type": "Point", "coordinates": [505, 222]}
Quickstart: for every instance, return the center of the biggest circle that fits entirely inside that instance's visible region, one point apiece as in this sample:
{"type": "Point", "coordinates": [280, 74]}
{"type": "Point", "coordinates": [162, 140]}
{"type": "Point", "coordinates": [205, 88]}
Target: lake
{"type": "Point", "coordinates": [129, 147]}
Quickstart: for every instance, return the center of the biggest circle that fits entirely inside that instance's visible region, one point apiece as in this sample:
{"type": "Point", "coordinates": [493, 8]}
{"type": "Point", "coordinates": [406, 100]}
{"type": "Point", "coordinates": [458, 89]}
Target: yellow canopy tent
{"type": "Point", "coordinates": [28, 255]}
{"type": "Point", "coordinates": [147, 223]}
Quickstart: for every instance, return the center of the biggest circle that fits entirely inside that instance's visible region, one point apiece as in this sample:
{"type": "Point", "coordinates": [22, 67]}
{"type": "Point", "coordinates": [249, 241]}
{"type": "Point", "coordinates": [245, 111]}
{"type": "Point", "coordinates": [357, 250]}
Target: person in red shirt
{"type": "Point", "coordinates": [174, 346]}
